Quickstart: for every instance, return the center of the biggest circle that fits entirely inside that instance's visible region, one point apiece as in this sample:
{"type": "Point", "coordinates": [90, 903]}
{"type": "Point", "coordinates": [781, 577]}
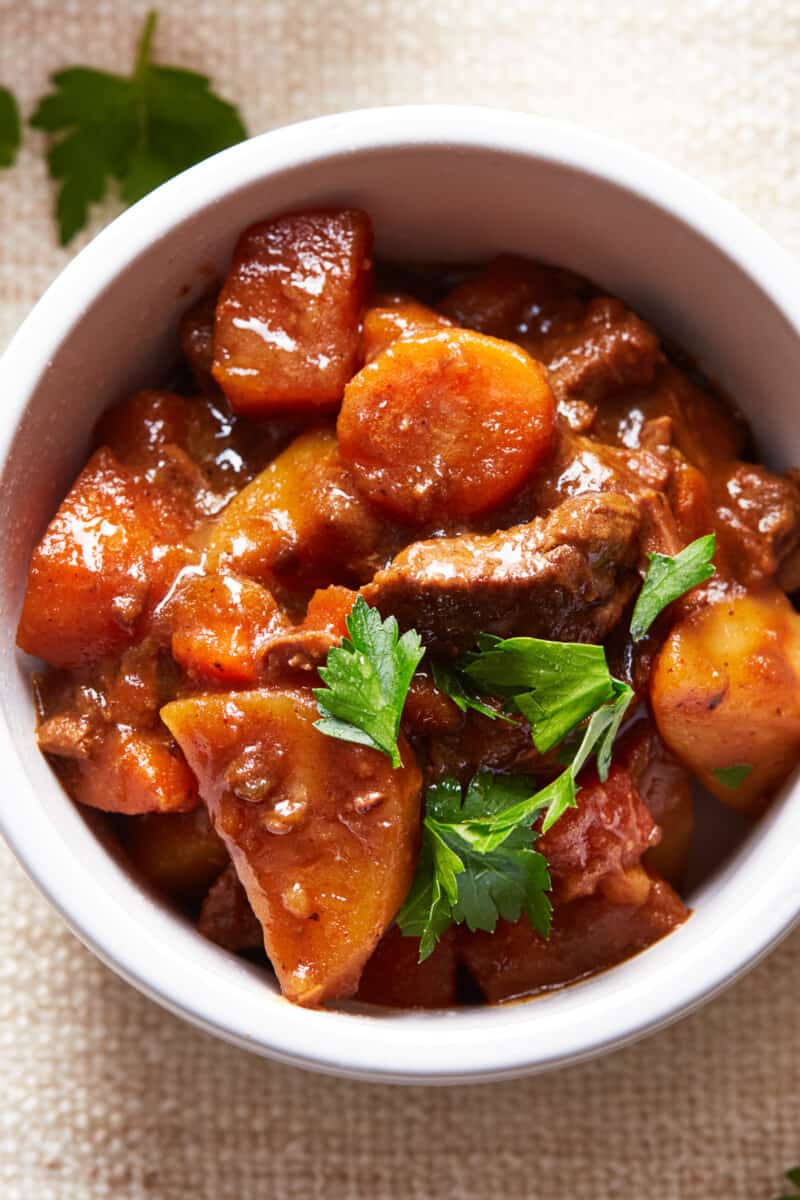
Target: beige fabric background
{"type": "Point", "coordinates": [104, 1095]}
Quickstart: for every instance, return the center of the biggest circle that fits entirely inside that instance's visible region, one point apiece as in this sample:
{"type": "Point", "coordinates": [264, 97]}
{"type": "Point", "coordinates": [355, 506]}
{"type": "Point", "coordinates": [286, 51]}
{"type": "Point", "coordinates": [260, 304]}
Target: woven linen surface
{"type": "Point", "coordinates": [102, 1094]}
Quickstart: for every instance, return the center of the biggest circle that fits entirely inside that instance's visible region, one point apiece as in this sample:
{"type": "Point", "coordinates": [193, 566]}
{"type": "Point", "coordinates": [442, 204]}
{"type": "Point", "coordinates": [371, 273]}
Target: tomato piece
{"type": "Point", "coordinates": [605, 835]}
{"type": "Point", "coordinates": [105, 560]}
{"type": "Point", "coordinates": [288, 322]}
{"type": "Point", "coordinates": [446, 425]}
{"type": "Point", "coordinates": [323, 833]}
{"type": "Point", "coordinates": [393, 317]}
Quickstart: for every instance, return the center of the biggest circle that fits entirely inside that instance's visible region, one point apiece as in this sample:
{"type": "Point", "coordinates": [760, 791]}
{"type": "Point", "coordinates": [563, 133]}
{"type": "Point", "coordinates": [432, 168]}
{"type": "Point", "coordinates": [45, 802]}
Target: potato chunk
{"type": "Point", "coordinates": [725, 693]}
{"type": "Point", "coordinates": [288, 319]}
{"type": "Point", "coordinates": [446, 424]}
{"type": "Point", "coordinates": [301, 523]}
{"type": "Point", "coordinates": [323, 833]}
{"type": "Point", "coordinates": [177, 852]}
{"type": "Point", "coordinates": [105, 559]}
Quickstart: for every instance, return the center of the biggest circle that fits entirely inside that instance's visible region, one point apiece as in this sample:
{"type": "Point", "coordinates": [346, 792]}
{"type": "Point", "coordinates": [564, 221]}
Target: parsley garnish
{"type": "Point", "coordinates": [732, 777]}
{"type": "Point", "coordinates": [367, 679]}
{"type": "Point", "coordinates": [463, 694]}
{"type": "Point", "coordinates": [140, 130]}
{"type": "Point", "coordinates": [793, 1175]}
{"type": "Point", "coordinates": [668, 578]}
{"type": "Point", "coordinates": [458, 879]}
{"type": "Point", "coordinates": [553, 684]}
{"type": "Point", "coordinates": [10, 129]}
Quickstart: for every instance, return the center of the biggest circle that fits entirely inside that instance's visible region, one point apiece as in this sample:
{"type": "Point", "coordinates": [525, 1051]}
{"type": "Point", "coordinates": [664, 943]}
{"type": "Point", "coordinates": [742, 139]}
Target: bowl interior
{"type": "Point", "coordinates": [441, 199]}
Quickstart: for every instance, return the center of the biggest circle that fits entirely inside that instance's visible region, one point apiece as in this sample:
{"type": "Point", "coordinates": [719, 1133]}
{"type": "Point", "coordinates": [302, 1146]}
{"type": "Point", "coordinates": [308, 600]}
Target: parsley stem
{"type": "Point", "coordinates": [145, 43]}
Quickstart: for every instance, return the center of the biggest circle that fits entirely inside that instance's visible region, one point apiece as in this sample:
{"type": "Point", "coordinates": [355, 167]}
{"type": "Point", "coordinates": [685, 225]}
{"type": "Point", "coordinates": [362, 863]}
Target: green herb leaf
{"type": "Point", "coordinates": [462, 692]}
{"type": "Point", "coordinates": [456, 881]}
{"type": "Point", "coordinates": [10, 128]}
{"type": "Point", "coordinates": [139, 130]}
{"type": "Point", "coordinates": [668, 578]}
{"type": "Point", "coordinates": [367, 679]}
{"type": "Point", "coordinates": [555, 685]}
{"type": "Point", "coordinates": [732, 777]}
{"type": "Point", "coordinates": [793, 1175]}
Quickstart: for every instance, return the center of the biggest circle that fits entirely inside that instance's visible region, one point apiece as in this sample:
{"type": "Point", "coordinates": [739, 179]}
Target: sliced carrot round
{"type": "Point", "coordinates": [446, 424]}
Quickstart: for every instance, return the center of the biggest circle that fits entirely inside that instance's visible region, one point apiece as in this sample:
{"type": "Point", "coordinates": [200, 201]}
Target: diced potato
{"type": "Point", "coordinates": [136, 772]}
{"type": "Point", "coordinates": [725, 693]}
{"type": "Point", "coordinates": [588, 935]}
{"type": "Point", "coordinates": [220, 625]}
{"type": "Point", "coordinates": [301, 523]}
{"type": "Point", "coordinates": [395, 978]}
{"type": "Point", "coordinates": [288, 321]}
{"type": "Point", "coordinates": [106, 558]}
{"type": "Point", "coordinates": [177, 852]}
{"type": "Point", "coordinates": [446, 424]}
{"type": "Point", "coordinates": [323, 833]}
{"type": "Point", "coordinates": [393, 317]}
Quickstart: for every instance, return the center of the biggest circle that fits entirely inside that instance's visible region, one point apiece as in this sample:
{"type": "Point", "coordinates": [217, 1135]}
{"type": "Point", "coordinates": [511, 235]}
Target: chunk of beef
{"type": "Point", "coordinates": [588, 935]}
{"type": "Point", "coordinates": [608, 350]}
{"type": "Point", "coordinates": [227, 918]}
{"type": "Point", "coordinates": [393, 976]}
{"type": "Point", "coordinates": [513, 298]}
{"type": "Point", "coordinates": [567, 576]}
{"type": "Point", "coordinates": [758, 519]}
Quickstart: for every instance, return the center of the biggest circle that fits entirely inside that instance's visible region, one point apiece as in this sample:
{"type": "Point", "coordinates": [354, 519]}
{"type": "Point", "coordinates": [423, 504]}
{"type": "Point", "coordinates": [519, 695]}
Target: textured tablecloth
{"type": "Point", "coordinates": [104, 1095]}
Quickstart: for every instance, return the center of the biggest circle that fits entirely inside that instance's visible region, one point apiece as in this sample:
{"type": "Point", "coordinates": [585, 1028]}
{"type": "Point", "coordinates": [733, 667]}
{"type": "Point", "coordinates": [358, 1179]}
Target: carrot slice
{"type": "Point", "coordinates": [446, 425]}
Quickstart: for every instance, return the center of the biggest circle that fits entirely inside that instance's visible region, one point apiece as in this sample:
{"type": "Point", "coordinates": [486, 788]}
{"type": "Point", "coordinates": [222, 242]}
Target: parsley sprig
{"type": "Point", "coordinates": [10, 128]}
{"type": "Point", "coordinates": [477, 862]}
{"type": "Point", "coordinates": [793, 1175]}
{"type": "Point", "coordinates": [139, 130]}
{"type": "Point", "coordinates": [367, 679]}
{"type": "Point", "coordinates": [668, 578]}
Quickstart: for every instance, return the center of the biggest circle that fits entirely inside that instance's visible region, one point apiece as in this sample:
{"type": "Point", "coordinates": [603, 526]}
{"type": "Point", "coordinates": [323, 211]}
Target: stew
{"type": "Point", "coordinates": [347, 630]}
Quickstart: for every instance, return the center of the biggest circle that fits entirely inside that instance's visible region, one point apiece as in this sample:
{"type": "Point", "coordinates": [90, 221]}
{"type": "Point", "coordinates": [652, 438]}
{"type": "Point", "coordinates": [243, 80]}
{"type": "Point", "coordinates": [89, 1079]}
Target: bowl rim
{"type": "Point", "coordinates": [406, 1047]}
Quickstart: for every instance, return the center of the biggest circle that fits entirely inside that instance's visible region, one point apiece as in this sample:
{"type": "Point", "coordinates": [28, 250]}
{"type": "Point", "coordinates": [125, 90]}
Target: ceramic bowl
{"type": "Point", "coordinates": [440, 183]}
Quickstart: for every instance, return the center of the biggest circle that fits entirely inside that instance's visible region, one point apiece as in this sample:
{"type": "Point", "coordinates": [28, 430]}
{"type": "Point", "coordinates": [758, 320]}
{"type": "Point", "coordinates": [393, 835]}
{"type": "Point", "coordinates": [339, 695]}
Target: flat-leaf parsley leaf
{"type": "Point", "coordinates": [139, 130]}
{"type": "Point", "coordinates": [367, 679]}
{"type": "Point", "coordinates": [732, 777]}
{"type": "Point", "coordinates": [668, 578]}
{"type": "Point", "coordinates": [553, 684]}
{"type": "Point", "coordinates": [10, 128]}
{"type": "Point", "coordinates": [456, 882]}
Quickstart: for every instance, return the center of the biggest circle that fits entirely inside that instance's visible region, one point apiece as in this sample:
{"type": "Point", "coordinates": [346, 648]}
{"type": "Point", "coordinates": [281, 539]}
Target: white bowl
{"type": "Point", "coordinates": [447, 182]}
